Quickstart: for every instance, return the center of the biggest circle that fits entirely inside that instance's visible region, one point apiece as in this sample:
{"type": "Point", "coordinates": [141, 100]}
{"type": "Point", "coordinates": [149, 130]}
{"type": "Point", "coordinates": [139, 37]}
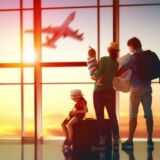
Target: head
{"type": "Point", "coordinates": [133, 44]}
{"type": "Point", "coordinates": [76, 94]}
{"type": "Point", "coordinates": [91, 52]}
{"type": "Point", "coordinates": [113, 50]}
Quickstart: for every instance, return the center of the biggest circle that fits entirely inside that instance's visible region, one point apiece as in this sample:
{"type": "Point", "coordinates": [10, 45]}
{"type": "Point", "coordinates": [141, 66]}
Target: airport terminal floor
{"type": "Point", "coordinates": [52, 150]}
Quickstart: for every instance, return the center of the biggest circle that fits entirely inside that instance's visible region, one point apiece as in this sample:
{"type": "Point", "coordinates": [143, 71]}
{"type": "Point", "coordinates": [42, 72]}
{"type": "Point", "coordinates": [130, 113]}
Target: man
{"type": "Point", "coordinates": [140, 92]}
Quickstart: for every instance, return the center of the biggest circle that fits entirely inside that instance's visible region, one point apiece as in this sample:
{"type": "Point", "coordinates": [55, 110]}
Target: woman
{"type": "Point", "coordinates": [105, 96]}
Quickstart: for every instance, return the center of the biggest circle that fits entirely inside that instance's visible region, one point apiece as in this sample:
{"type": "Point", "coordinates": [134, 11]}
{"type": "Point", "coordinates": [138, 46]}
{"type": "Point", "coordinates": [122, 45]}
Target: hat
{"type": "Point", "coordinates": [114, 45]}
{"type": "Point", "coordinates": [76, 93]}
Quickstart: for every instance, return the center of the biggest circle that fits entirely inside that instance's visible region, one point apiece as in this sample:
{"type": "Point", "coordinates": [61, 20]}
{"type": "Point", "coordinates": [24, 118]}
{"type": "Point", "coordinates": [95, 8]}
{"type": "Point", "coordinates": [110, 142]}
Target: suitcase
{"type": "Point", "coordinates": [85, 134]}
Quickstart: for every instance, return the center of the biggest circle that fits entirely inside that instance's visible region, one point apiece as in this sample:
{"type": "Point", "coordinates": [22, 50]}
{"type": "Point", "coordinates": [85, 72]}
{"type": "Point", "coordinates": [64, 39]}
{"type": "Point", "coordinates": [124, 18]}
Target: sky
{"type": "Point", "coordinates": [142, 22]}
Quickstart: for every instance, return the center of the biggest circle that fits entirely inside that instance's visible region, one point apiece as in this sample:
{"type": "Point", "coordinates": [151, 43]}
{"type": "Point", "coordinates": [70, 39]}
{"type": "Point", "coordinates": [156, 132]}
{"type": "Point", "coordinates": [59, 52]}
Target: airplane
{"type": "Point", "coordinates": [55, 33]}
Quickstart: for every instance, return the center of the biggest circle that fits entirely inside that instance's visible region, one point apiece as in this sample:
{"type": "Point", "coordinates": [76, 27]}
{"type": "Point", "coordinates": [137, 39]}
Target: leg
{"type": "Point", "coordinates": [99, 110]}
{"type": "Point", "coordinates": [135, 99]}
{"type": "Point", "coordinates": [146, 102]}
{"type": "Point", "coordinates": [63, 124]}
{"type": "Point", "coordinates": [110, 103]}
{"type": "Point", "coordinates": [70, 125]}
{"type": "Point", "coordinates": [132, 128]}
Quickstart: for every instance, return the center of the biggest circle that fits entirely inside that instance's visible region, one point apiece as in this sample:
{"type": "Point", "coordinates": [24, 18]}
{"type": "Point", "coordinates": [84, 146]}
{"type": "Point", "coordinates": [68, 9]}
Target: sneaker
{"type": "Point", "coordinates": [150, 144]}
{"type": "Point", "coordinates": [127, 144]}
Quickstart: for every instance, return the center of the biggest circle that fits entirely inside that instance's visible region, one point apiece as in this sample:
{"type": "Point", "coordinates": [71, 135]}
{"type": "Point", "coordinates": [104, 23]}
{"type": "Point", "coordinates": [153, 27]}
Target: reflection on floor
{"type": "Point", "coordinates": [51, 150]}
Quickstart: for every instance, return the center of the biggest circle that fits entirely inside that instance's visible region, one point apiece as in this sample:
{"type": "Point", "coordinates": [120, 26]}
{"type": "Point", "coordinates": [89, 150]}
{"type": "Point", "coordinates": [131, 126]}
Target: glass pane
{"type": "Point", "coordinates": [70, 49]}
{"type": "Point", "coordinates": [106, 30]}
{"type": "Point", "coordinates": [9, 75]}
{"type": "Point", "coordinates": [146, 27]}
{"type": "Point", "coordinates": [28, 75]}
{"type": "Point", "coordinates": [57, 104]}
{"type": "Point", "coordinates": [10, 115]}
{"type": "Point", "coordinates": [64, 3]}
{"type": "Point", "coordinates": [28, 38]}
{"type": "Point", "coordinates": [10, 37]}
{"type": "Point", "coordinates": [29, 111]}
{"type": "Point", "coordinates": [106, 2]}
{"type": "Point", "coordinates": [149, 34]}
{"type": "Point", "coordinates": [139, 1]}
{"type": "Point", "coordinates": [28, 151]}
{"type": "Point", "coordinates": [66, 74]}
{"type": "Point", "coordinates": [28, 3]}
{"type": "Point", "coordinates": [9, 4]}
{"type": "Point", "coordinates": [141, 127]}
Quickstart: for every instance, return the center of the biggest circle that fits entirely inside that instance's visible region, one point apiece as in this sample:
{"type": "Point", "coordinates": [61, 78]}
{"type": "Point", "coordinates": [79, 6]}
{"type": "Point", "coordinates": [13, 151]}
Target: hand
{"type": "Point", "coordinates": [93, 77]}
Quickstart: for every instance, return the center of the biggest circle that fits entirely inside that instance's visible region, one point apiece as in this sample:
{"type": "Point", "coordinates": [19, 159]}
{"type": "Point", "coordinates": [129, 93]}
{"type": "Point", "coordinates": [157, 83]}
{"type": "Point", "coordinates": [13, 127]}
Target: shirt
{"type": "Point", "coordinates": [107, 68]}
{"type": "Point", "coordinates": [80, 105]}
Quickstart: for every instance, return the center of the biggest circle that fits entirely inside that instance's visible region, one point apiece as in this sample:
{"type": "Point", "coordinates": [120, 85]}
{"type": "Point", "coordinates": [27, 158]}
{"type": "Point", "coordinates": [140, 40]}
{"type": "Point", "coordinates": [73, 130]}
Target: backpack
{"type": "Point", "coordinates": [148, 66]}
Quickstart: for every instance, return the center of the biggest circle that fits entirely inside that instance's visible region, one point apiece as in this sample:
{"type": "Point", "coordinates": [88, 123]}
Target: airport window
{"type": "Point", "coordinates": [63, 63]}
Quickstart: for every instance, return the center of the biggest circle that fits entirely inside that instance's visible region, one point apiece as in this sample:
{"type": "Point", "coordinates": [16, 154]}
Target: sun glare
{"type": "Point", "coordinates": [28, 56]}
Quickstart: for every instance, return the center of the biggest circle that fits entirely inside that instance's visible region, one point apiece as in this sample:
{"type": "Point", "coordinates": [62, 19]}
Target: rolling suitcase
{"type": "Point", "coordinates": [85, 134]}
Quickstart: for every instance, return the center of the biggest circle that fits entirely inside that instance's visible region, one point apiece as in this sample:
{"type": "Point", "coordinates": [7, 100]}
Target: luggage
{"type": "Point", "coordinates": [85, 134]}
{"type": "Point", "coordinates": [123, 82]}
{"type": "Point", "coordinates": [148, 66]}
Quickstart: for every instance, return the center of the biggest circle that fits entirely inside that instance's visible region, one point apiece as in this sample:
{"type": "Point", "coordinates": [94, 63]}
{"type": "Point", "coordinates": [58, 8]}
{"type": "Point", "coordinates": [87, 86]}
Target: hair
{"type": "Point", "coordinates": [91, 52]}
{"type": "Point", "coordinates": [135, 43]}
{"type": "Point", "coordinates": [113, 53]}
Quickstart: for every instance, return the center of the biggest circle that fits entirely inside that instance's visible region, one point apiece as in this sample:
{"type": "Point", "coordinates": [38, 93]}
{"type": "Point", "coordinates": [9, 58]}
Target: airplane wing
{"type": "Point", "coordinates": [73, 34]}
{"type": "Point", "coordinates": [50, 30]}
{"type": "Point", "coordinates": [47, 30]}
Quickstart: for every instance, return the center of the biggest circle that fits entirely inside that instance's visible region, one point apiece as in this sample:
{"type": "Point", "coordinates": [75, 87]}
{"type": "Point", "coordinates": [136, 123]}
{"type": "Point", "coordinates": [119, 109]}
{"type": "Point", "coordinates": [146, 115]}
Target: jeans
{"type": "Point", "coordinates": [141, 94]}
{"type": "Point", "coordinates": [106, 98]}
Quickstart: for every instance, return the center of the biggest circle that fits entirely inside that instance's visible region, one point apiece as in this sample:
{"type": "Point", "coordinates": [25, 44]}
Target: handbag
{"type": "Point", "coordinates": [123, 82]}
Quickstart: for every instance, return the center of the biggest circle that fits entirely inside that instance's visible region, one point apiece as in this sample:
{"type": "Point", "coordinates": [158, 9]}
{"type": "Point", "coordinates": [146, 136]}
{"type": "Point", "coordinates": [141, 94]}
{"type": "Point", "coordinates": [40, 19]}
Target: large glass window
{"type": "Point", "coordinates": [10, 115]}
{"type": "Point", "coordinates": [69, 48]}
{"type": "Point", "coordinates": [106, 30]}
{"type": "Point", "coordinates": [139, 1]}
{"type": "Point", "coordinates": [64, 3]}
{"type": "Point", "coordinates": [9, 4]}
{"type": "Point", "coordinates": [80, 17]}
{"type": "Point", "coordinates": [10, 37]}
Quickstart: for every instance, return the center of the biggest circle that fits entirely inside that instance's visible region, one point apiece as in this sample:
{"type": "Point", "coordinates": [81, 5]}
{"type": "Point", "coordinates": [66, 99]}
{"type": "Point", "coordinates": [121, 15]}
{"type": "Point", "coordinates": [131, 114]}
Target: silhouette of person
{"type": "Point", "coordinates": [140, 93]}
{"type": "Point", "coordinates": [104, 96]}
{"type": "Point", "coordinates": [76, 115]}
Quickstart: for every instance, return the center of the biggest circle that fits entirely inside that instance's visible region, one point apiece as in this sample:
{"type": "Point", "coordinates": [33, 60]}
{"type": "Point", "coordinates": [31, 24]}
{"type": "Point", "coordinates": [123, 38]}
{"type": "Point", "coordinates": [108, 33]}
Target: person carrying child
{"type": "Point", "coordinates": [75, 115]}
{"type": "Point", "coordinates": [92, 64]}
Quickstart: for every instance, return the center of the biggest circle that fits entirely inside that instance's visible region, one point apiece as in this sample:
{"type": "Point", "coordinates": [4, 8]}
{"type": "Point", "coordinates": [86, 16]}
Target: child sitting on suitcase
{"type": "Point", "coordinates": [75, 115]}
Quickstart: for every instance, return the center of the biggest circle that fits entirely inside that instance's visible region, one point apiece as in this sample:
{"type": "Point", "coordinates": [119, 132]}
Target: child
{"type": "Point", "coordinates": [93, 65]}
{"type": "Point", "coordinates": [75, 115]}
